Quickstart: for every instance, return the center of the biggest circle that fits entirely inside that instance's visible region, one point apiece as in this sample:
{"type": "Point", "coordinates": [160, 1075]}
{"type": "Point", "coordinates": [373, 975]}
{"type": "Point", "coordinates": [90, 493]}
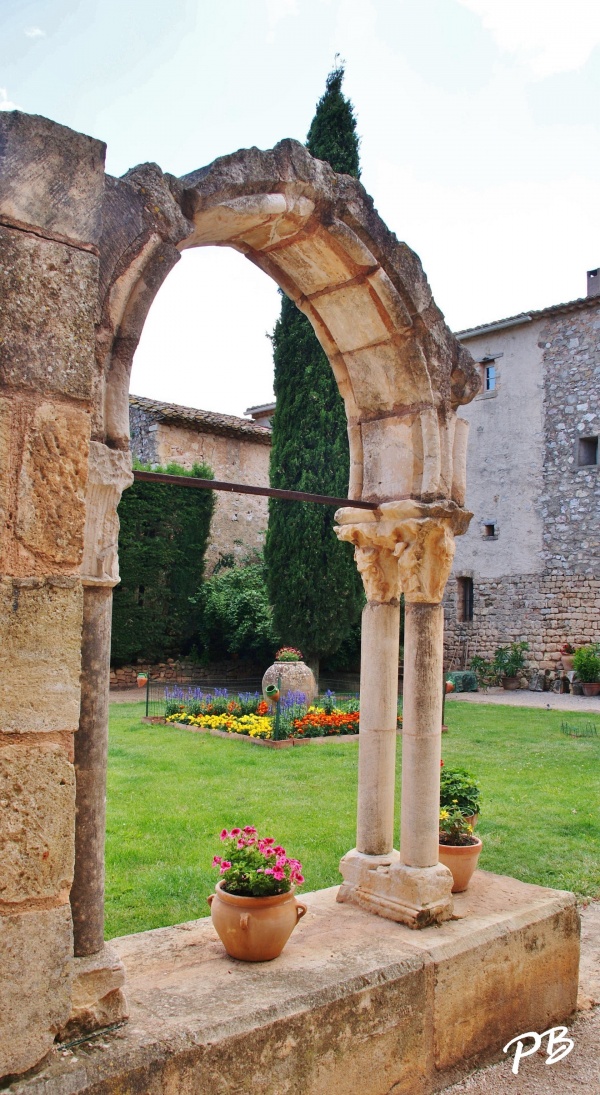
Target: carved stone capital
{"type": "Point", "coordinates": [404, 546]}
{"type": "Point", "coordinates": [109, 473]}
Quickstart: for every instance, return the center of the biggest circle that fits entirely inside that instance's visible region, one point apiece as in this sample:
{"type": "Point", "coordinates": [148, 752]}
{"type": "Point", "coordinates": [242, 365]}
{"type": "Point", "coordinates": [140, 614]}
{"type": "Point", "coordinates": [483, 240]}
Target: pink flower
{"type": "Point", "coordinates": [280, 850]}
{"type": "Point", "coordinates": [241, 844]}
{"type": "Point", "coordinates": [281, 860]}
{"type": "Point", "coordinates": [235, 832]}
{"type": "Point", "coordinates": [224, 834]}
{"type": "Point", "coordinates": [268, 870]}
{"type": "Point", "coordinates": [225, 865]}
{"type": "Point", "coordinates": [268, 840]}
{"type": "Point", "coordinates": [216, 861]}
{"type": "Point", "coordinates": [249, 829]}
{"type": "Point", "coordinates": [299, 879]}
{"type": "Point", "coordinates": [279, 874]}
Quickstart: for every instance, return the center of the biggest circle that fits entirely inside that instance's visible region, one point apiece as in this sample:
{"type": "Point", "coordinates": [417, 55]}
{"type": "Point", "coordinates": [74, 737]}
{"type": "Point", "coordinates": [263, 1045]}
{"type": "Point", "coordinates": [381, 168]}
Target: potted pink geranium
{"type": "Point", "coordinates": [254, 910]}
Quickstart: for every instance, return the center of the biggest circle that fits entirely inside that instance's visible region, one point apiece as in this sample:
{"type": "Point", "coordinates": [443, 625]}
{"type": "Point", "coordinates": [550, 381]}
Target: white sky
{"type": "Point", "coordinates": [479, 123]}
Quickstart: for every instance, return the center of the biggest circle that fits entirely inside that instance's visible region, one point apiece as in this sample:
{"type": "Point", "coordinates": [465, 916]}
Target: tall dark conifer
{"type": "Point", "coordinates": [314, 586]}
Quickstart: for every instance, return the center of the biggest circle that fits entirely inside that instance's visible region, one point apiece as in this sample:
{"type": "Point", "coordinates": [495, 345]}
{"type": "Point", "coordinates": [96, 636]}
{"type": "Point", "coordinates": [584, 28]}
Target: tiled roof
{"type": "Point", "coordinates": [526, 317]}
{"type": "Point", "coordinates": [228, 425]}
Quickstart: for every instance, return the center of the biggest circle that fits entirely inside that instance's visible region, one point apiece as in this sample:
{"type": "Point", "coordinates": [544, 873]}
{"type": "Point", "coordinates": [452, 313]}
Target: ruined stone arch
{"type": "Point", "coordinates": [83, 255]}
{"type": "Point", "coordinates": [400, 372]}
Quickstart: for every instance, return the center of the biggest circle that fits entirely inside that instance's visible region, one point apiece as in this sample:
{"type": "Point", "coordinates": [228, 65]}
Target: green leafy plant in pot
{"type": "Point", "coordinates": [586, 663]}
{"type": "Point", "coordinates": [459, 790]}
{"type": "Point", "coordinates": [509, 663]}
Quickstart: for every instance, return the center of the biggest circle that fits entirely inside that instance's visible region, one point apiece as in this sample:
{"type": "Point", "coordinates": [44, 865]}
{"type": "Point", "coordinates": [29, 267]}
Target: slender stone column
{"type": "Point", "coordinates": [421, 734]}
{"type": "Point", "coordinates": [91, 749]}
{"type": "Point", "coordinates": [408, 545]}
{"type": "Point", "coordinates": [98, 999]}
{"type": "Point", "coordinates": [378, 717]}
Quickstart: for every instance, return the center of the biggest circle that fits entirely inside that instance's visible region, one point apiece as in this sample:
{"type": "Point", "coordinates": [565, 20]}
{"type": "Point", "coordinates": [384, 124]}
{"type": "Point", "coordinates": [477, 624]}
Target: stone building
{"type": "Point", "coordinates": [237, 451]}
{"type": "Point", "coordinates": [529, 565]}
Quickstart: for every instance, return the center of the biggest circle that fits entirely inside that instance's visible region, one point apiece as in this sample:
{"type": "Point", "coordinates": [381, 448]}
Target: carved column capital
{"type": "Point", "coordinates": [109, 473]}
{"type": "Point", "coordinates": [404, 547]}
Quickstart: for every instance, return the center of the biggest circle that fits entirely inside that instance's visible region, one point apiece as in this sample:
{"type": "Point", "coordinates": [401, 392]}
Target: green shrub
{"type": "Point", "coordinates": [236, 617]}
{"type": "Point", "coordinates": [586, 663]}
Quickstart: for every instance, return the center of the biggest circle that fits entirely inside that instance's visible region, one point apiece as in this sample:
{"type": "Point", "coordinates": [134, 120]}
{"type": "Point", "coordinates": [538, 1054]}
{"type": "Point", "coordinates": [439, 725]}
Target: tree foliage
{"type": "Point", "coordinates": [236, 615]}
{"type": "Point", "coordinates": [162, 542]}
{"type": "Point", "coordinates": [313, 583]}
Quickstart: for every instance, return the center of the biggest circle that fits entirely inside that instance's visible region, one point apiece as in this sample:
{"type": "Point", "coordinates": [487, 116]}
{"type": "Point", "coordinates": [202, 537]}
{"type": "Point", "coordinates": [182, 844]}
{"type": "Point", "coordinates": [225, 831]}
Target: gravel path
{"type": "Point", "coordinates": [551, 701]}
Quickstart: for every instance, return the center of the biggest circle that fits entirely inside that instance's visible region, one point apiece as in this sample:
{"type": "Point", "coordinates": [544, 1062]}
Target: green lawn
{"type": "Point", "coordinates": [170, 792]}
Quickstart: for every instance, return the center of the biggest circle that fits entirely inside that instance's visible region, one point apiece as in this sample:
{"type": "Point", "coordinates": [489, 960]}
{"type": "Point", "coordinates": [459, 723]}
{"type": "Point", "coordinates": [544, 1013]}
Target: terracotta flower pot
{"type": "Point", "coordinates": [567, 662]}
{"type": "Point", "coordinates": [142, 680]}
{"type": "Point", "coordinates": [590, 688]}
{"type": "Point", "coordinates": [472, 819]}
{"type": "Point", "coordinates": [254, 929]}
{"type": "Point", "coordinates": [461, 860]}
{"type": "Point", "coordinates": [510, 683]}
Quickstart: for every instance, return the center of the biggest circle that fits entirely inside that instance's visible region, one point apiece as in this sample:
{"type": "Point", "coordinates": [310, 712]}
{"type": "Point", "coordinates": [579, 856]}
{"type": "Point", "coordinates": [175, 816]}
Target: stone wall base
{"type": "Point", "coordinates": [98, 999]}
{"type": "Point", "coordinates": [355, 1005]}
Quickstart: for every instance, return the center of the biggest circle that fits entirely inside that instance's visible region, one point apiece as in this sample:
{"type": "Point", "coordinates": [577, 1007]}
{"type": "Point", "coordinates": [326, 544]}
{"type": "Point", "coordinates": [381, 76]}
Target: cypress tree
{"type": "Point", "coordinates": [313, 582]}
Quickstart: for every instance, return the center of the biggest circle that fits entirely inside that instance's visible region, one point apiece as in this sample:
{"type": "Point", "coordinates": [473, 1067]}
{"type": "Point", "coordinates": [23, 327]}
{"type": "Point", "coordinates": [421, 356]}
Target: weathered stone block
{"type": "Point", "coordinates": [98, 999]}
{"type": "Point", "coordinates": [49, 293]}
{"type": "Point", "coordinates": [51, 176]}
{"type": "Point", "coordinates": [35, 987]}
{"type": "Point", "coordinates": [37, 810]}
{"type": "Point", "coordinates": [40, 654]}
{"type": "Point", "coordinates": [52, 482]}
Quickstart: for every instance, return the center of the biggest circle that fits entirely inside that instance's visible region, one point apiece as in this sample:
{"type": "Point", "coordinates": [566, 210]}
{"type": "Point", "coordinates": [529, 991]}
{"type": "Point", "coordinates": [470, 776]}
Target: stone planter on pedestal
{"type": "Point", "coordinates": [294, 676]}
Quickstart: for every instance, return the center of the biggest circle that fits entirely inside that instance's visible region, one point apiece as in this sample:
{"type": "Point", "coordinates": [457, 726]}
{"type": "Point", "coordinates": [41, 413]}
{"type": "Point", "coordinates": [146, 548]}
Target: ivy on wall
{"type": "Point", "coordinates": [162, 542]}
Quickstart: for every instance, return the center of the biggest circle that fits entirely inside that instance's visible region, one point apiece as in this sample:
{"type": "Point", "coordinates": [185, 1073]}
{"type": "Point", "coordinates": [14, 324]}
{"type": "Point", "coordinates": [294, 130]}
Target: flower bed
{"type": "Point", "coordinates": [317, 723]}
{"type": "Point", "coordinates": [253, 726]}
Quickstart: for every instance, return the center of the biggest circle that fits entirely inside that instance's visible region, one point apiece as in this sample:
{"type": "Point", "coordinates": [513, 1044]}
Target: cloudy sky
{"type": "Point", "coordinates": [479, 143]}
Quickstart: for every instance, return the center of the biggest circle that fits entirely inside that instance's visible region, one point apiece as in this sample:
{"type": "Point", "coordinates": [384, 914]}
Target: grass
{"type": "Point", "coordinates": [170, 792]}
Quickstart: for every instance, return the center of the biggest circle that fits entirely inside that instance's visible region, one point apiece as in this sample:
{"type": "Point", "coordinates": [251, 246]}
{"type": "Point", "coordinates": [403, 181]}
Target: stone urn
{"type": "Point", "coordinates": [295, 677]}
{"type": "Point", "coordinates": [254, 929]}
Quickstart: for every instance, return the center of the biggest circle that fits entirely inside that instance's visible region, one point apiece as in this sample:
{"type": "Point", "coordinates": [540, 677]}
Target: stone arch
{"type": "Point", "coordinates": [398, 368]}
{"type": "Point", "coordinates": [83, 257]}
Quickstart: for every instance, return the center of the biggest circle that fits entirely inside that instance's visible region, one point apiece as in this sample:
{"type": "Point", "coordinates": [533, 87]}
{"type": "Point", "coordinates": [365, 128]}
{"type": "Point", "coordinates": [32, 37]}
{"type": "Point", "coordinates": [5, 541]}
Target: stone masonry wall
{"type": "Point", "coordinates": [51, 188]}
{"type": "Point", "coordinates": [239, 521]}
{"type": "Point", "coordinates": [545, 610]}
{"type": "Point", "coordinates": [570, 503]}
{"type": "Point", "coordinates": [562, 603]}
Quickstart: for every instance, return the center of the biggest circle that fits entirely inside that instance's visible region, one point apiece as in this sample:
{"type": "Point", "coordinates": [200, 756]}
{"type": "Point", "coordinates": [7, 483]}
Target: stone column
{"type": "Point", "coordinates": [98, 999]}
{"type": "Point", "coordinates": [410, 546]}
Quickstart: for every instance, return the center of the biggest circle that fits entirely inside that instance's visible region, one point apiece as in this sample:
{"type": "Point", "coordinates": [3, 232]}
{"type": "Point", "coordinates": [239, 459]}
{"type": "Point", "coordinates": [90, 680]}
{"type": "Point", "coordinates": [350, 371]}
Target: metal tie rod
{"type": "Point", "coordinates": [244, 488]}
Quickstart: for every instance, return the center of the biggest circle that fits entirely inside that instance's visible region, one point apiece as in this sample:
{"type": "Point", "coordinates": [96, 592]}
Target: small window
{"type": "Point", "coordinates": [587, 453]}
{"type": "Point", "coordinates": [490, 531]}
{"type": "Point", "coordinates": [489, 378]}
{"type": "Point", "coordinates": [465, 599]}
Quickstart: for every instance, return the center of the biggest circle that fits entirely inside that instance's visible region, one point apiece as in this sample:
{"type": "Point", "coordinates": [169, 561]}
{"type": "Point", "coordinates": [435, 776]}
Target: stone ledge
{"type": "Point", "coordinates": [355, 1004]}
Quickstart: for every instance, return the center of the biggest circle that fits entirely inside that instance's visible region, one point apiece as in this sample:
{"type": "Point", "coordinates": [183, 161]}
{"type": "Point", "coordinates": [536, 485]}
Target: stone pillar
{"type": "Point", "coordinates": [98, 999]}
{"type": "Point", "coordinates": [51, 190]}
{"type": "Point", "coordinates": [410, 546]}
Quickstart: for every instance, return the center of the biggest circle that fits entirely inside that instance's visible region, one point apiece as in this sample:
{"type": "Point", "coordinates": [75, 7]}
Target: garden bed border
{"type": "Point", "coordinates": [285, 743]}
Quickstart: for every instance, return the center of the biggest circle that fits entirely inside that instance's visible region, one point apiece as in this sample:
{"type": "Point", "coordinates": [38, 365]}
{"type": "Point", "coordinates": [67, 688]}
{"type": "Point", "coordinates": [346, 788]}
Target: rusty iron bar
{"type": "Point", "coordinates": [244, 488]}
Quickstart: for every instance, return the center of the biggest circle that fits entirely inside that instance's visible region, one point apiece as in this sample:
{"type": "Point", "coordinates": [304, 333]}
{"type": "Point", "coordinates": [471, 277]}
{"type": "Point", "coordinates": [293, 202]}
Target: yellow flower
{"type": "Point", "coordinates": [444, 815]}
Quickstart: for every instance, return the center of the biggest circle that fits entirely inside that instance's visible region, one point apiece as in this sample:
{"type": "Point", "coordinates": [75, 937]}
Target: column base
{"type": "Point", "coordinates": [98, 999]}
{"type": "Point", "coordinates": [383, 885]}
